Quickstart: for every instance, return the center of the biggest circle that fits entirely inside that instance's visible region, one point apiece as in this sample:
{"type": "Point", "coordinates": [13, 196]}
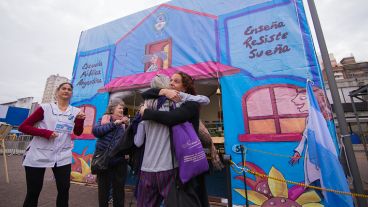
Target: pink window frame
{"type": "Point", "coordinates": [86, 136]}
{"type": "Point", "coordinates": [278, 137]}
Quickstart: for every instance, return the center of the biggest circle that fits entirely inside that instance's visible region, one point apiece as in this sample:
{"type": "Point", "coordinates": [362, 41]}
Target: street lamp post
{"type": "Point", "coordinates": [357, 181]}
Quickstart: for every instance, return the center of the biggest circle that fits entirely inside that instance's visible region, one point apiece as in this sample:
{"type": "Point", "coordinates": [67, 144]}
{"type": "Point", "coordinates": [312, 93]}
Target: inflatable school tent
{"type": "Point", "coordinates": [259, 52]}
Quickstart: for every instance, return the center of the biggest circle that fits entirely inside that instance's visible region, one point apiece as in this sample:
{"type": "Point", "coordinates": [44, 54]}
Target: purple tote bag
{"type": "Point", "coordinates": [189, 152]}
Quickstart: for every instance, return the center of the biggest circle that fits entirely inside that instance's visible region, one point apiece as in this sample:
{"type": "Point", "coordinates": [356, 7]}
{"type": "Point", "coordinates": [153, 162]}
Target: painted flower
{"type": "Point", "coordinates": [260, 184]}
{"type": "Point", "coordinates": [85, 175]}
{"type": "Point", "coordinates": [267, 192]}
{"type": "Point", "coordinates": [76, 166]}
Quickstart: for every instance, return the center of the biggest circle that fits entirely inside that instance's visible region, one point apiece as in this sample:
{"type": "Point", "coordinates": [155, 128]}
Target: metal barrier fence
{"type": "Point", "coordinates": [16, 145]}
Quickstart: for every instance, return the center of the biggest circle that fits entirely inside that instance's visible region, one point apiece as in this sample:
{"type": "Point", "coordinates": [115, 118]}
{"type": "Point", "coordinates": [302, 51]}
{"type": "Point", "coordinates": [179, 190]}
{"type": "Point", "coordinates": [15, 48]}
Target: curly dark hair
{"type": "Point", "coordinates": [188, 83]}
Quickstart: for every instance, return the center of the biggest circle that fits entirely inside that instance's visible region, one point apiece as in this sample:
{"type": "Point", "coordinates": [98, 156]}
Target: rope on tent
{"type": "Point", "coordinates": [269, 153]}
{"type": "Point", "coordinates": [347, 161]}
{"type": "Point", "coordinates": [239, 170]}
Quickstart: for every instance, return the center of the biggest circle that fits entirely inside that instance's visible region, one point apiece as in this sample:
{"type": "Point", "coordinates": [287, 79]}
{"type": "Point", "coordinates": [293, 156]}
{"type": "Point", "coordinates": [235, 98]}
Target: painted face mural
{"type": "Point", "coordinates": [160, 22]}
{"type": "Point", "coordinates": [300, 102]}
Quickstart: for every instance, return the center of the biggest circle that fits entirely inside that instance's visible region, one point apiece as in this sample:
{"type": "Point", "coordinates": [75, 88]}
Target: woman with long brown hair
{"type": "Point", "coordinates": [188, 111]}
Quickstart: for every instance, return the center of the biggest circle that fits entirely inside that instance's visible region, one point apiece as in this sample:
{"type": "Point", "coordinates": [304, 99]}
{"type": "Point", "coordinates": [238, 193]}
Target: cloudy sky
{"type": "Point", "coordinates": [39, 38]}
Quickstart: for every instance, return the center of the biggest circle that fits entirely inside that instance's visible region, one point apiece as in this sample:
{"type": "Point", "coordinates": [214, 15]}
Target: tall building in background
{"type": "Point", "coordinates": [337, 69]}
{"type": "Point", "coordinates": [350, 75]}
{"type": "Point", "coordinates": [51, 84]}
{"type": "Point", "coordinates": [347, 68]}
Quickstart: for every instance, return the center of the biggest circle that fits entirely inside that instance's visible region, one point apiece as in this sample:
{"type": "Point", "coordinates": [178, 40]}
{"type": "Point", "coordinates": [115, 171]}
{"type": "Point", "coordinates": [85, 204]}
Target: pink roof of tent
{"type": "Point", "coordinates": [205, 70]}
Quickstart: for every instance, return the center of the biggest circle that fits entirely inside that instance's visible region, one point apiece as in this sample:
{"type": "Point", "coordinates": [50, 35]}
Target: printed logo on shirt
{"type": "Point", "coordinates": [62, 127]}
{"type": "Point", "coordinates": [71, 116]}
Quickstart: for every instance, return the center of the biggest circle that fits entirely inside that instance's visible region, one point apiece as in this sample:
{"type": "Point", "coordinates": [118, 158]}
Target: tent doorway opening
{"type": "Point", "coordinates": [211, 114]}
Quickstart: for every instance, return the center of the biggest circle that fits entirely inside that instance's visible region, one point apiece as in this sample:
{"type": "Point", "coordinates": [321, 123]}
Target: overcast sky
{"type": "Point", "coordinates": [39, 38]}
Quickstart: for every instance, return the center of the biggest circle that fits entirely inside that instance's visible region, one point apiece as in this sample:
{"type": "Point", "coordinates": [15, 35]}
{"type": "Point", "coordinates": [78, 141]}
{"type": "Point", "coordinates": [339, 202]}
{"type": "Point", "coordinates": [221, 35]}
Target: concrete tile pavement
{"type": "Point", "coordinates": [12, 194]}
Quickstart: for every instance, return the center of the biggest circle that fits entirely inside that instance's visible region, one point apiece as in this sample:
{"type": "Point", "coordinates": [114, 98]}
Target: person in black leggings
{"type": "Point", "coordinates": [51, 147]}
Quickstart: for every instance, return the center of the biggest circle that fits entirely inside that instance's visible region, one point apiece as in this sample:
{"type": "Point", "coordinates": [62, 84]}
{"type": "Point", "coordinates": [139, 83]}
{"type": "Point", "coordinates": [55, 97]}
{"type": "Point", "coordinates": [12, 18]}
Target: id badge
{"type": "Point", "coordinates": [63, 127]}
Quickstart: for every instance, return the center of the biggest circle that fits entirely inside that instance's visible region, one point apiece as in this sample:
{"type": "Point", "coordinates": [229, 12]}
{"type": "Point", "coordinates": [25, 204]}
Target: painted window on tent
{"type": "Point", "coordinates": [272, 114]}
{"type": "Point", "coordinates": [158, 55]}
{"type": "Point", "coordinates": [90, 112]}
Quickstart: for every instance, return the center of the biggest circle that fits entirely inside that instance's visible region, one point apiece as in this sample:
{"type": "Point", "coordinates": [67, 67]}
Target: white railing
{"type": "Point", "coordinates": [16, 145]}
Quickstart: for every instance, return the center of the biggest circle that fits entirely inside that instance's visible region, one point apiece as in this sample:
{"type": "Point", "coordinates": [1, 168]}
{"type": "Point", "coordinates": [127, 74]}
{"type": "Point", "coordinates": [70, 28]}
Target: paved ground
{"type": "Point", "coordinates": [13, 194]}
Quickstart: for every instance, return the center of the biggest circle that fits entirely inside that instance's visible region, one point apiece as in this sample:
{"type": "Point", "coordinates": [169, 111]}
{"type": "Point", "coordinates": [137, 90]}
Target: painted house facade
{"type": "Point", "coordinates": [259, 53]}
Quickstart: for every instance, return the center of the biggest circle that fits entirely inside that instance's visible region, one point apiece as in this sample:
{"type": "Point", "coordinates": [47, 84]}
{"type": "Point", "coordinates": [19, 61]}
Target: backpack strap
{"type": "Point", "coordinates": [160, 101]}
{"type": "Point", "coordinates": [172, 107]}
{"type": "Point", "coordinates": [172, 154]}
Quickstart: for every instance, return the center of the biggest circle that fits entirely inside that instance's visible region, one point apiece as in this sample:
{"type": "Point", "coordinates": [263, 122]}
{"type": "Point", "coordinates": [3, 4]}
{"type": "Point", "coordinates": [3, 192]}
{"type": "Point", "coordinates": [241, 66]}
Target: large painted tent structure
{"type": "Point", "coordinates": [258, 52]}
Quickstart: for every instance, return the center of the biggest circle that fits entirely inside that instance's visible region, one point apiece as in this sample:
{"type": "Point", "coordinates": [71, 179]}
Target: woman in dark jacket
{"type": "Point", "coordinates": [109, 129]}
{"type": "Point", "coordinates": [188, 111]}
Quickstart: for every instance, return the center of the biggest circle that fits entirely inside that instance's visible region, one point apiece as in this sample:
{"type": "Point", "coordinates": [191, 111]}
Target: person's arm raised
{"type": "Point", "coordinates": [100, 130]}
{"type": "Point", "coordinates": [174, 117]}
{"type": "Point", "coordinates": [156, 92]}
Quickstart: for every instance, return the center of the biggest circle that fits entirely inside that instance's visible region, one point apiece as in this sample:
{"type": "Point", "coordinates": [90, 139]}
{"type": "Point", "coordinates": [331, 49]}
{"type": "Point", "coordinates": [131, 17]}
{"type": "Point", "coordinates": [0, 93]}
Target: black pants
{"type": "Point", "coordinates": [34, 177]}
{"type": "Point", "coordinates": [116, 177]}
{"type": "Point", "coordinates": [201, 189]}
